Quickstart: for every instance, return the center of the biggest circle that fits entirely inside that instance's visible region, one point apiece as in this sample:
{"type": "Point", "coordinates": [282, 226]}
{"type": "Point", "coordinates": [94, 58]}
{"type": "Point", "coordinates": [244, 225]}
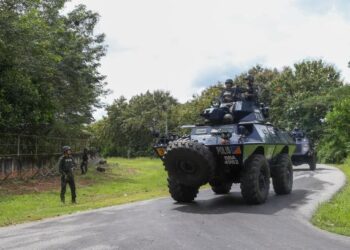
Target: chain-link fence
{"type": "Point", "coordinates": [23, 156]}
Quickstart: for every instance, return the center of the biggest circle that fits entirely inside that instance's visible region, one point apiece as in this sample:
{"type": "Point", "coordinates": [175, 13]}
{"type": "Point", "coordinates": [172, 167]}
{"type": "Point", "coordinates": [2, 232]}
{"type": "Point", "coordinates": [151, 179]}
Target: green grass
{"type": "Point", "coordinates": [334, 216]}
{"type": "Point", "coordinates": [127, 181]}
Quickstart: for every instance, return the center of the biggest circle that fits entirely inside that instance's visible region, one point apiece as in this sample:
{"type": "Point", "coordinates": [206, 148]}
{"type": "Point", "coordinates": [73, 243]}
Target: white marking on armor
{"type": "Point", "coordinates": [223, 150]}
{"type": "Point", "coordinates": [230, 160]}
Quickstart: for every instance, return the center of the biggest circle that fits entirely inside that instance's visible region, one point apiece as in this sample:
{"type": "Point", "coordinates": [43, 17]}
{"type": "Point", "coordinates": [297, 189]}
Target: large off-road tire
{"type": "Point", "coordinates": [189, 163]}
{"type": "Point", "coordinates": [255, 180]}
{"type": "Point", "coordinates": [221, 187]}
{"type": "Point", "coordinates": [282, 175]}
{"type": "Point", "coordinates": [312, 162]}
{"type": "Point", "coordinates": [180, 192]}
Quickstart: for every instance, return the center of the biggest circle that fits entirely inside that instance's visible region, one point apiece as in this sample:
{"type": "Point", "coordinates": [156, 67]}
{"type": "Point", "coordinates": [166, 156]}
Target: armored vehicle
{"type": "Point", "coordinates": [304, 152]}
{"type": "Point", "coordinates": [234, 145]}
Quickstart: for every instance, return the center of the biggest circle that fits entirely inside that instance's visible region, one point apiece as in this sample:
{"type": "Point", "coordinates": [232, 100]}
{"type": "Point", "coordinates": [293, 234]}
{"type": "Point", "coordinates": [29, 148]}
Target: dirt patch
{"type": "Point", "coordinates": [53, 183]}
{"type": "Point", "coordinates": [17, 187]}
{"type": "Point", "coordinates": [131, 171]}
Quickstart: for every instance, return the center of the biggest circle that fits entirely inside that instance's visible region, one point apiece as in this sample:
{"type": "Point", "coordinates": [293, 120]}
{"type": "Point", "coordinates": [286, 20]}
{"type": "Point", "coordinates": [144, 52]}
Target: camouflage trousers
{"type": "Point", "coordinates": [67, 179]}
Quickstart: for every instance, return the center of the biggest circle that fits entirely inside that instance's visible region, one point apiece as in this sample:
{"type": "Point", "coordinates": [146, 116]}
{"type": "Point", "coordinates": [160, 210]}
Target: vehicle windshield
{"type": "Point", "coordinates": [298, 134]}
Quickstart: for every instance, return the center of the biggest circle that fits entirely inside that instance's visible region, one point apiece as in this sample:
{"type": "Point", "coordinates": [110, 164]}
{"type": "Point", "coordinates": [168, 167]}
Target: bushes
{"type": "Point", "coordinates": [335, 144]}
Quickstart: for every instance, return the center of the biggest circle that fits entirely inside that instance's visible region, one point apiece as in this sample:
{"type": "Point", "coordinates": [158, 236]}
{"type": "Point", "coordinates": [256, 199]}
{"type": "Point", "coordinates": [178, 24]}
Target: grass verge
{"type": "Point", "coordinates": [125, 181]}
{"type": "Point", "coordinates": [334, 216]}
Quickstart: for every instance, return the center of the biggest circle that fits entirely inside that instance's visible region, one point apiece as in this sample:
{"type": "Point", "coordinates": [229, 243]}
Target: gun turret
{"type": "Point", "coordinates": [235, 112]}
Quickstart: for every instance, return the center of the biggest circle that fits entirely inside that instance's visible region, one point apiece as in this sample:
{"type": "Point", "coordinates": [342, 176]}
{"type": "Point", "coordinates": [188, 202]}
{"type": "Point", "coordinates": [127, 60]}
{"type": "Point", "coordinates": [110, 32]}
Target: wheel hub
{"type": "Point", "coordinates": [288, 177]}
{"type": "Point", "coordinates": [187, 167]}
{"type": "Point", "coordinates": [262, 182]}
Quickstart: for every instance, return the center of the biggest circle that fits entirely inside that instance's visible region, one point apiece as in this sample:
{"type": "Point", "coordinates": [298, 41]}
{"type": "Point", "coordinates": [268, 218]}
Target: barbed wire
{"type": "Point", "coordinates": [17, 144]}
{"type": "Point", "coordinates": [28, 156]}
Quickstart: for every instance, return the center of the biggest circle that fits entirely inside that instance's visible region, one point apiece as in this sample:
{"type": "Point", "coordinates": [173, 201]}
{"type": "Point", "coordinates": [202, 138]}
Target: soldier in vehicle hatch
{"type": "Point", "coordinates": [66, 165]}
{"type": "Point", "coordinates": [230, 93]}
{"type": "Point", "coordinates": [251, 94]}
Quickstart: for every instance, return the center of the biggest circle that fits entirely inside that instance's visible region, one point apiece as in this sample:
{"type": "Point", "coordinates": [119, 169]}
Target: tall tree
{"type": "Point", "coordinates": [335, 142]}
{"type": "Point", "coordinates": [303, 95]}
{"type": "Point", "coordinates": [49, 64]}
{"type": "Point", "coordinates": [263, 78]}
{"type": "Point", "coordinates": [127, 129]}
{"type": "Point", "coordinates": [189, 112]}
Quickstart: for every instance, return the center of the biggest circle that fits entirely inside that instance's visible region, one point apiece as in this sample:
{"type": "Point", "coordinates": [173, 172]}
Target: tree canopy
{"type": "Point", "coordinates": [49, 65]}
{"type": "Point", "coordinates": [300, 96]}
{"type": "Point", "coordinates": [50, 84]}
{"type": "Point", "coordinates": [127, 128]}
{"type": "Point", "coordinates": [303, 95]}
{"type": "Point", "coordinates": [335, 142]}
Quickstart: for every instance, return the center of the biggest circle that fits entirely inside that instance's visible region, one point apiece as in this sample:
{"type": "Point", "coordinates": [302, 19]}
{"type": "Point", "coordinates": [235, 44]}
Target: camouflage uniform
{"type": "Point", "coordinates": [66, 165]}
{"type": "Point", "coordinates": [230, 94]}
{"type": "Point", "coordinates": [84, 163]}
{"type": "Point", "coordinates": [251, 91]}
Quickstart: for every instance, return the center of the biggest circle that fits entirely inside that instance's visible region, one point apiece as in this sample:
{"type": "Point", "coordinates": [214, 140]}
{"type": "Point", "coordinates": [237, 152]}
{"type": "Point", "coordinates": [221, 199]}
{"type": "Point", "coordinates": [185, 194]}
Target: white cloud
{"type": "Point", "coordinates": [169, 44]}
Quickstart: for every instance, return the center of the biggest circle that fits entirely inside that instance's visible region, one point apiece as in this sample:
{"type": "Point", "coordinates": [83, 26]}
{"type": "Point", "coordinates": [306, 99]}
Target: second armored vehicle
{"type": "Point", "coordinates": [304, 152]}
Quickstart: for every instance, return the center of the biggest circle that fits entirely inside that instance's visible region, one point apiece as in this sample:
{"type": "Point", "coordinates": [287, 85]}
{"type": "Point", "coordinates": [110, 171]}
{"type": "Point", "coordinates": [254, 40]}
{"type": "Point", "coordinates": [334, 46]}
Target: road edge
{"type": "Point", "coordinates": [334, 181]}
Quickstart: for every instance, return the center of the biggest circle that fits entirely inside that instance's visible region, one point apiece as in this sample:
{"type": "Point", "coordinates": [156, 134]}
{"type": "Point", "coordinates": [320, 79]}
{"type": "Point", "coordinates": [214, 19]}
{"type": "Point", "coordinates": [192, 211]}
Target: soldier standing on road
{"type": "Point", "coordinates": [84, 163]}
{"type": "Point", "coordinates": [66, 165]}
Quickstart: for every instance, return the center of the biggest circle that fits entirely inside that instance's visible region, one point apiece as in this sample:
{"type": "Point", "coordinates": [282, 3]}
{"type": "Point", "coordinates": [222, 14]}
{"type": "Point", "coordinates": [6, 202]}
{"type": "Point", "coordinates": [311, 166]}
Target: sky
{"type": "Point", "coordinates": [183, 46]}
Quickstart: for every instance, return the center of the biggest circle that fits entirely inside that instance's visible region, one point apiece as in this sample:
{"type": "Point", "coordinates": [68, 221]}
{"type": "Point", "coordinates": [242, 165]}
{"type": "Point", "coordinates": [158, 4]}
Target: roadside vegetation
{"type": "Point", "coordinates": [125, 181]}
{"type": "Point", "coordinates": [310, 94]}
{"type": "Point", "coordinates": [51, 85]}
{"type": "Point", "coordinates": [50, 82]}
{"type": "Point", "coordinates": [334, 215]}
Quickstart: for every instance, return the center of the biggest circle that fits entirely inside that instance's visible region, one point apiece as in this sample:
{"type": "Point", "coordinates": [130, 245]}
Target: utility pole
{"type": "Point", "coordinates": [165, 109]}
{"type": "Point", "coordinates": [18, 145]}
{"type": "Point", "coordinates": [166, 122]}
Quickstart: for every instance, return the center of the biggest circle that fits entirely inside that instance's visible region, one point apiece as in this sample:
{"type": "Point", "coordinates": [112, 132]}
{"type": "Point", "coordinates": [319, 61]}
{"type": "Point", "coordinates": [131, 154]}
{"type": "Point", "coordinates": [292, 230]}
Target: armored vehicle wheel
{"type": "Point", "coordinates": [312, 162]}
{"type": "Point", "coordinates": [180, 192]}
{"type": "Point", "coordinates": [255, 180]}
{"type": "Point", "coordinates": [282, 175]}
{"type": "Point", "coordinates": [189, 163]}
{"type": "Point", "coordinates": [221, 188]}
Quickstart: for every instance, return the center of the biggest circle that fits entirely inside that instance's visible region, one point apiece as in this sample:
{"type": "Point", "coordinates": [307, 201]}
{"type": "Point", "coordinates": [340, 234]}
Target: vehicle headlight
{"type": "Point", "coordinates": [161, 151]}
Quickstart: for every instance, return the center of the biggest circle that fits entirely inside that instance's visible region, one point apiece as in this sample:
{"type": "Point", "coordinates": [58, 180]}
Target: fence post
{"type": "Point", "coordinates": [12, 166]}
{"type": "Point", "coordinates": [36, 146]}
{"type": "Point", "coordinates": [128, 153]}
{"type": "Point", "coordinates": [19, 166]}
{"type": "Point", "coordinates": [2, 167]}
{"type": "Point", "coordinates": [35, 161]}
{"type": "Point", "coordinates": [18, 145]}
{"type": "Point", "coordinates": [18, 153]}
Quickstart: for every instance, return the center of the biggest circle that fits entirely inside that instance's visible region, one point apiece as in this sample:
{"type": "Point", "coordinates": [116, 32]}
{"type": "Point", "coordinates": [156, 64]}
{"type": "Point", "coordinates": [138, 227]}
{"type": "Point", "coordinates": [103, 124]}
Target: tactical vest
{"type": "Point", "coordinates": [67, 164]}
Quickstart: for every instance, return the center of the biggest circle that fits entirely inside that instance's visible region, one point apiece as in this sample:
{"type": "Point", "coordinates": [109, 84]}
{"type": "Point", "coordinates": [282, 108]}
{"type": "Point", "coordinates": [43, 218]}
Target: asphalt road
{"type": "Point", "coordinates": [212, 222]}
